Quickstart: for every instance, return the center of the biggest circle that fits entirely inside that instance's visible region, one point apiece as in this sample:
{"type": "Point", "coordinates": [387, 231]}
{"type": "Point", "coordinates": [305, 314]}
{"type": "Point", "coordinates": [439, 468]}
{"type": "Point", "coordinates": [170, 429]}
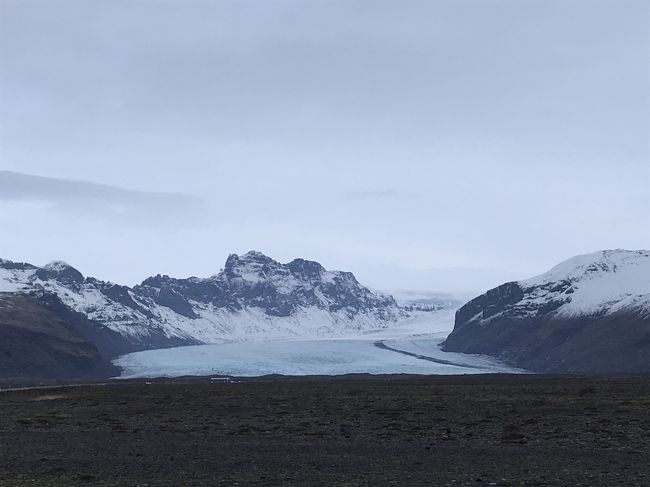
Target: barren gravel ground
{"type": "Point", "coordinates": [383, 430]}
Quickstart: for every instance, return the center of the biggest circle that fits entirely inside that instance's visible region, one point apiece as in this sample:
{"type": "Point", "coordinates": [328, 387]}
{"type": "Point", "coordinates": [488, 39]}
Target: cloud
{"type": "Point", "coordinates": [91, 200]}
{"type": "Point", "coordinates": [505, 135]}
{"type": "Point", "coordinates": [376, 194]}
{"type": "Point", "coordinates": [466, 281]}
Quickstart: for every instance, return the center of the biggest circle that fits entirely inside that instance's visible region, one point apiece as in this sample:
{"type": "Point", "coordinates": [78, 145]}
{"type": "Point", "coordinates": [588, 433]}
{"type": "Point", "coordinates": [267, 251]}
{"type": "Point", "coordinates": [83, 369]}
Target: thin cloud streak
{"type": "Point", "coordinates": [91, 200]}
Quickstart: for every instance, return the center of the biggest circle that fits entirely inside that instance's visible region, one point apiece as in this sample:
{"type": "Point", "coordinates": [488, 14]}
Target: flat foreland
{"type": "Point", "coordinates": [356, 430]}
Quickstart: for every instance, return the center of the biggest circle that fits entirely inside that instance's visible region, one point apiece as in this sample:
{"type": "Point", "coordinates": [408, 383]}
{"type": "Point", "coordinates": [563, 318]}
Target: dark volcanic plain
{"type": "Point", "coordinates": [357, 430]}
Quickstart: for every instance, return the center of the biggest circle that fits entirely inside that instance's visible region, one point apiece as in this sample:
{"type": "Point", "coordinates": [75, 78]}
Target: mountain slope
{"type": "Point", "coordinates": [253, 297]}
{"type": "Point", "coordinates": [588, 314]}
{"type": "Point", "coordinates": [35, 343]}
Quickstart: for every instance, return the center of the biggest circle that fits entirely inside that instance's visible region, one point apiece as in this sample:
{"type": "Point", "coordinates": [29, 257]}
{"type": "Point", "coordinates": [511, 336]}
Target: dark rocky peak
{"type": "Point", "coordinates": [175, 293]}
{"type": "Point", "coordinates": [347, 279]}
{"type": "Point", "coordinates": [232, 263]}
{"type": "Point", "coordinates": [158, 281]}
{"type": "Point", "coordinates": [60, 271]}
{"type": "Point", "coordinates": [251, 258]}
{"type": "Point", "coordinates": [252, 262]}
{"type": "Point", "coordinates": [256, 256]}
{"type": "Point", "coordinates": [306, 268]}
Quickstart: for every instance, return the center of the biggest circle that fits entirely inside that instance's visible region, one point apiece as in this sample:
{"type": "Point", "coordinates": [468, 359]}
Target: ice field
{"type": "Point", "coordinates": [411, 347]}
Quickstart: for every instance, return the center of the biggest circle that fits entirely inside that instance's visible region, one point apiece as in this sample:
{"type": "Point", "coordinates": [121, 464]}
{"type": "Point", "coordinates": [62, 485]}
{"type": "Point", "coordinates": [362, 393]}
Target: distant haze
{"type": "Point", "coordinates": [446, 145]}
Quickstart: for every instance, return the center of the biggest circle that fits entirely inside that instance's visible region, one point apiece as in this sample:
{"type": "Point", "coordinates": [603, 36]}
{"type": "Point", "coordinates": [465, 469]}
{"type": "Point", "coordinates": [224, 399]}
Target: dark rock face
{"type": "Point", "coordinates": [62, 272]}
{"type": "Point", "coordinates": [491, 303]}
{"type": "Point", "coordinates": [309, 269]}
{"type": "Point", "coordinates": [36, 343]}
{"type": "Point", "coordinates": [9, 265]}
{"type": "Point", "coordinates": [121, 295]}
{"type": "Point", "coordinates": [617, 343]}
{"type": "Point", "coordinates": [195, 289]}
{"type": "Point", "coordinates": [176, 302]}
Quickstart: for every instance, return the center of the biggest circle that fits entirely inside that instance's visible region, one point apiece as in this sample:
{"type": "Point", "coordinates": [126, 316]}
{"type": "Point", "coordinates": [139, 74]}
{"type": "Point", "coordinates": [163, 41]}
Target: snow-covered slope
{"type": "Point", "coordinates": [252, 298]}
{"type": "Point", "coordinates": [589, 313]}
{"type": "Point", "coordinates": [603, 282]}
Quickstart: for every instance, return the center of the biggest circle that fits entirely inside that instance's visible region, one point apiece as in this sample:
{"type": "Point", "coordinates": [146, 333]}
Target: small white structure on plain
{"type": "Point", "coordinates": [226, 380]}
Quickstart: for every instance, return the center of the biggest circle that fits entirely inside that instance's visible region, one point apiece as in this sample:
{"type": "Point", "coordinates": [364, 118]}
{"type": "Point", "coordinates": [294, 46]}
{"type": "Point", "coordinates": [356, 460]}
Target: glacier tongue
{"type": "Point", "coordinates": [410, 346]}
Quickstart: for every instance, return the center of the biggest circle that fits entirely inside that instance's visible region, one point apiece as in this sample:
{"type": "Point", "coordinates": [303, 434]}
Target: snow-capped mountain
{"type": "Point", "coordinates": [589, 313]}
{"type": "Point", "coordinates": [253, 297]}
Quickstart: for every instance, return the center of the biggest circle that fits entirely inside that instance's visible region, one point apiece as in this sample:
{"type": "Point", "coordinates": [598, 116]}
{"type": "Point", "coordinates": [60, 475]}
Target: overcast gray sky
{"type": "Point", "coordinates": [383, 137]}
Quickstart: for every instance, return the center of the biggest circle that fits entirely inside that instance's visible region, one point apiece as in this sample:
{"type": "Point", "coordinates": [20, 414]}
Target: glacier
{"type": "Point", "coordinates": [418, 335]}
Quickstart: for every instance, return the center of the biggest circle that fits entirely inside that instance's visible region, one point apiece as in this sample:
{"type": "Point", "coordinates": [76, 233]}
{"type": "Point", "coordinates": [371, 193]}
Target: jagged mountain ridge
{"type": "Point", "coordinates": [590, 313]}
{"type": "Point", "coordinates": [253, 297]}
